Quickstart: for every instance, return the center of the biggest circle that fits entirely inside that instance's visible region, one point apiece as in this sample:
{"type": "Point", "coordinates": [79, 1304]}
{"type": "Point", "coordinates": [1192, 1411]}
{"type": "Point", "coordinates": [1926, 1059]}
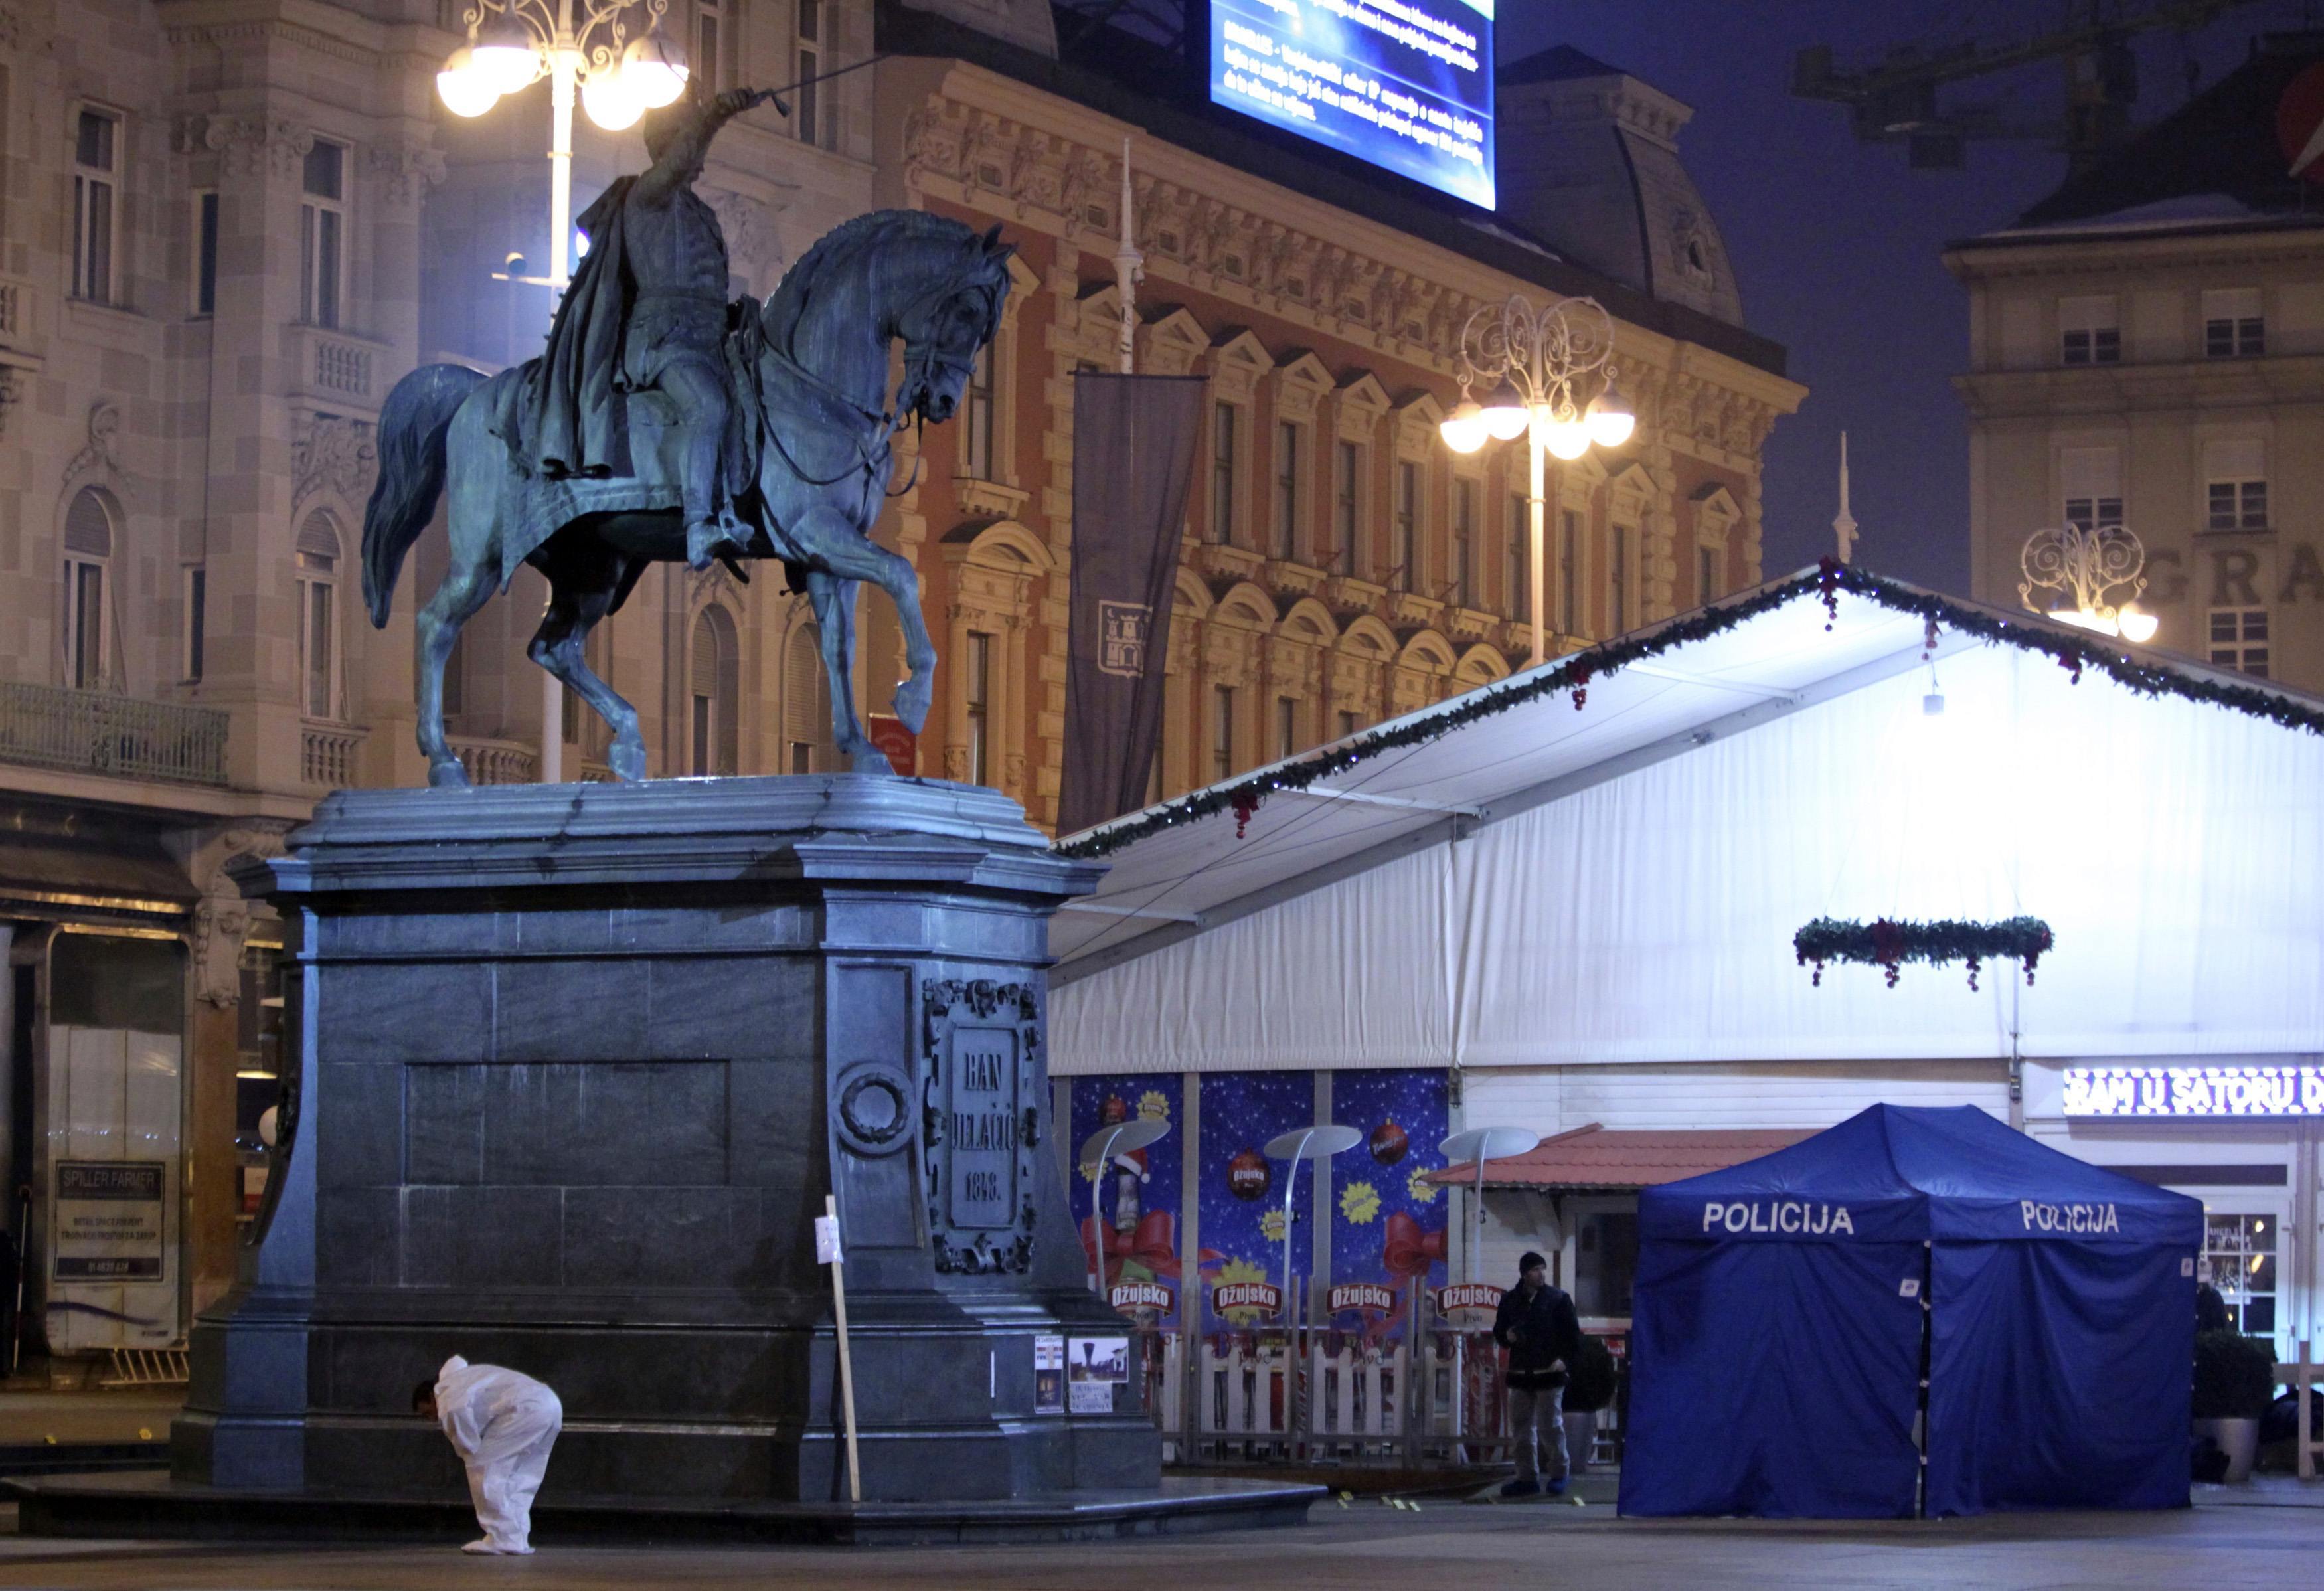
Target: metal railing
{"type": "Point", "coordinates": [327, 754]}
{"type": "Point", "coordinates": [98, 732]}
{"type": "Point", "coordinates": [496, 761]}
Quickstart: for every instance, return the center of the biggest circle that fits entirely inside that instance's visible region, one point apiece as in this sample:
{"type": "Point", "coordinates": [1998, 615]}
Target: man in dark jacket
{"type": "Point", "coordinates": [1536, 1324]}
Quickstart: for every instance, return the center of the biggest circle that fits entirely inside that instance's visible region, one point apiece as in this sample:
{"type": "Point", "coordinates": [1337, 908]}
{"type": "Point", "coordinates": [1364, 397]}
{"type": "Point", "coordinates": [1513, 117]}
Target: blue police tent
{"type": "Point", "coordinates": [1784, 1309]}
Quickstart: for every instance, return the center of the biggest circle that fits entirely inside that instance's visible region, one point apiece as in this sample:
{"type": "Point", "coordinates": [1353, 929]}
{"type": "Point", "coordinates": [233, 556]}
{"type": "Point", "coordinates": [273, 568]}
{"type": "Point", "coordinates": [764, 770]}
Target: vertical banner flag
{"type": "Point", "coordinates": [1137, 1198]}
{"type": "Point", "coordinates": [1240, 1194]}
{"type": "Point", "coordinates": [1388, 1231]}
{"type": "Point", "coordinates": [1133, 464]}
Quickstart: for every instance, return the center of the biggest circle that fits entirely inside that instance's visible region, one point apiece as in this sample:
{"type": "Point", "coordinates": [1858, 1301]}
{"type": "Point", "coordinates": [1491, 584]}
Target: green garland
{"type": "Point", "coordinates": [2074, 651]}
{"type": "Point", "coordinates": [1889, 945]}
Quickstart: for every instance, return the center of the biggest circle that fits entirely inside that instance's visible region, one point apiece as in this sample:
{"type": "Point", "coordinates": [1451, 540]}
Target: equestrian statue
{"type": "Point", "coordinates": [663, 425]}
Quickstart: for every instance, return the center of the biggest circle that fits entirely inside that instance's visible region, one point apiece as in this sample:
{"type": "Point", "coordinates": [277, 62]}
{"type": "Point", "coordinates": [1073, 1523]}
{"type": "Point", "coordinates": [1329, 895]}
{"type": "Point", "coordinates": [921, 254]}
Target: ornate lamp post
{"type": "Point", "coordinates": [1531, 363]}
{"type": "Point", "coordinates": [511, 45]}
{"type": "Point", "coordinates": [2084, 565]}
{"type": "Point", "coordinates": [514, 44]}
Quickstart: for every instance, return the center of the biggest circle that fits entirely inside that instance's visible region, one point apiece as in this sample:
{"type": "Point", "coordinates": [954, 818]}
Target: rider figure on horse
{"type": "Point", "coordinates": [647, 310]}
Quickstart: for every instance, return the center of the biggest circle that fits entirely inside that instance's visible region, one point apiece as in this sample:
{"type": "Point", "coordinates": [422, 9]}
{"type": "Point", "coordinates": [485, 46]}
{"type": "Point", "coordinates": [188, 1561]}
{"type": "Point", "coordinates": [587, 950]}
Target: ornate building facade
{"type": "Point", "coordinates": [1341, 566]}
{"type": "Point", "coordinates": [2147, 348]}
{"type": "Point", "coordinates": [226, 231]}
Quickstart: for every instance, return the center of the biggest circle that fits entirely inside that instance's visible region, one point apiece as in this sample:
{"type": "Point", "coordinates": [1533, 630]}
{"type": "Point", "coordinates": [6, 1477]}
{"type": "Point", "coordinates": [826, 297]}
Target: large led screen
{"type": "Point", "coordinates": [1405, 83]}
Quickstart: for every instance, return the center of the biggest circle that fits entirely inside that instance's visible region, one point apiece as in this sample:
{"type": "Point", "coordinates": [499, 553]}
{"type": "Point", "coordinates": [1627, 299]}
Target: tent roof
{"type": "Point", "coordinates": [1196, 864]}
{"type": "Point", "coordinates": [1592, 1157]}
{"type": "Point", "coordinates": [1905, 1172]}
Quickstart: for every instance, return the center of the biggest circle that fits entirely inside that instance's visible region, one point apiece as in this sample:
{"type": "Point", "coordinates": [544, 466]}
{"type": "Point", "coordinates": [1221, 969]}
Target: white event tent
{"type": "Point", "coordinates": [1576, 892]}
{"type": "Point", "coordinates": [1620, 883]}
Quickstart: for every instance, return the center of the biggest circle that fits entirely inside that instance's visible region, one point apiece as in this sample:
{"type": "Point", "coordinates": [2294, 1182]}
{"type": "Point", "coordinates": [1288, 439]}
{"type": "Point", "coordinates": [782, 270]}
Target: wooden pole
{"type": "Point", "coordinates": [846, 1368]}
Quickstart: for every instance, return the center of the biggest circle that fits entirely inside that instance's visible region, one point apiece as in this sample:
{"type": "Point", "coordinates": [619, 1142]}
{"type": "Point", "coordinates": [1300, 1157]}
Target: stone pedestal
{"type": "Point", "coordinates": [573, 1068]}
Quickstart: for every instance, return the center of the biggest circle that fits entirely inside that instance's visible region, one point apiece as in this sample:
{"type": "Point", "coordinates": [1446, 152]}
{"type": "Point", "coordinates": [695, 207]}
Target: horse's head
{"type": "Point", "coordinates": [945, 328]}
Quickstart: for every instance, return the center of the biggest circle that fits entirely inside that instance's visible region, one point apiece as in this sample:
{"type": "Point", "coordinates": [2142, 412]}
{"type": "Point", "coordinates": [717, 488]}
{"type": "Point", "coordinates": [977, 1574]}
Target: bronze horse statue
{"type": "Point", "coordinates": [810, 369]}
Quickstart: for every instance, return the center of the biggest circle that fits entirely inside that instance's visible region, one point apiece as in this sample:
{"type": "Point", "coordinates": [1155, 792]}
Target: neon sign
{"type": "Point", "coordinates": [2195, 1091]}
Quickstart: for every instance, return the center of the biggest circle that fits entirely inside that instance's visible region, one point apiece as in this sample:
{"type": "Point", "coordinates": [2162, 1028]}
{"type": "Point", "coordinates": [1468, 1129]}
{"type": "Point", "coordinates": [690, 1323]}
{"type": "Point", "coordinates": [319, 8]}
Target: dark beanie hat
{"type": "Point", "coordinates": [1528, 1260]}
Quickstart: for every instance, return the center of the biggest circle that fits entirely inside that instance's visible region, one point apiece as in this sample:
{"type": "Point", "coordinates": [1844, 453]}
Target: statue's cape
{"type": "Point", "coordinates": [576, 419]}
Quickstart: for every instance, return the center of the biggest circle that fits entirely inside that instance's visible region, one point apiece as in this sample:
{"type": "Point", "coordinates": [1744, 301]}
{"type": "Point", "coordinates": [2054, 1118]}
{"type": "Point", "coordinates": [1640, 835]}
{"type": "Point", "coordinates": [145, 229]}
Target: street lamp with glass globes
{"type": "Point", "coordinates": [1532, 364]}
{"type": "Point", "coordinates": [511, 45]}
{"type": "Point", "coordinates": [514, 44]}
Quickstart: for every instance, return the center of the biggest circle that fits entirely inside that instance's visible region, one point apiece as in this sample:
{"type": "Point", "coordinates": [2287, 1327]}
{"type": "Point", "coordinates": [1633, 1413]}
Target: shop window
{"type": "Point", "coordinates": [2242, 1251]}
{"type": "Point", "coordinates": [88, 618]}
{"type": "Point", "coordinates": [2235, 326]}
{"type": "Point", "coordinates": [1605, 1262]}
{"type": "Point", "coordinates": [2239, 639]}
{"type": "Point", "coordinates": [322, 228]}
{"type": "Point", "coordinates": [95, 204]}
{"type": "Point", "coordinates": [319, 634]}
{"type": "Point", "coordinates": [713, 684]}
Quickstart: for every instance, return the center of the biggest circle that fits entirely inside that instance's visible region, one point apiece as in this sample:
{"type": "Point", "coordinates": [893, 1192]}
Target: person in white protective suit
{"type": "Point", "coordinates": [502, 1425]}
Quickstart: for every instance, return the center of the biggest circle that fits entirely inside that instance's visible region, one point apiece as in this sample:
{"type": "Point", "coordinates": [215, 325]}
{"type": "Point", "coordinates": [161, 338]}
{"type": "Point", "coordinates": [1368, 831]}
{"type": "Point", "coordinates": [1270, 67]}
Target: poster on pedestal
{"type": "Point", "coordinates": [1094, 1366]}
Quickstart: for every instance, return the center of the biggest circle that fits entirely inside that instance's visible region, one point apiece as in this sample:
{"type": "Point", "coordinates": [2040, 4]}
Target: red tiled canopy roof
{"type": "Point", "coordinates": [1592, 1157]}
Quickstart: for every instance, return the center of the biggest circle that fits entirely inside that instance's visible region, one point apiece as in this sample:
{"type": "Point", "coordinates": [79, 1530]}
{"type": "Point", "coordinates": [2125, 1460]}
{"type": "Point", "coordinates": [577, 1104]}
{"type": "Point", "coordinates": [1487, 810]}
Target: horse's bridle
{"type": "Point", "coordinates": [921, 362]}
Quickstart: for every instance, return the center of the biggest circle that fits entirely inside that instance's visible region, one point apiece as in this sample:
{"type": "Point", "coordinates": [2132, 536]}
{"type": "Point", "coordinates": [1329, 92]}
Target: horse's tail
{"type": "Point", "coordinates": [412, 427]}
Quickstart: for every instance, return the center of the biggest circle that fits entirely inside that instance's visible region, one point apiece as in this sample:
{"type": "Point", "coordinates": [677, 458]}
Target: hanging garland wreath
{"type": "Point", "coordinates": [2073, 651]}
{"type": "Point", "coordinates": [1889, 945]}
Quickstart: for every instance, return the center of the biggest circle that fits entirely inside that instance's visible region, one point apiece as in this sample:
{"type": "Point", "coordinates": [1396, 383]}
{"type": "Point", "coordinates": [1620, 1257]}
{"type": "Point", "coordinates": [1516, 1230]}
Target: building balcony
{"type": "Point", "coordinates": [1286, 578]}
{"type": "Point", "coordinates": [19, 328]}
{"type": "Point", "coordinates": [1348, 595]}
{"type": "Point", "coordinates": [98, 732]}
{"type": "Point", "coordinates": [1470, 623]}
{"type": "Point", "coordinates": [1221, 561]}
{"type": "Point", "coordinates": [1409, 608]}
{"type": "Point", "coordinates": [496, 761]}
{"type": "Point", "coordinates": [328, 752]}
{"type": "Point", "coordinates": [338, 370]}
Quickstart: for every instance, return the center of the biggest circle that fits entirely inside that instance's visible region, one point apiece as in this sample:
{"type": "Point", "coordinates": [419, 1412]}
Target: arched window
{"type": "Point", "coordinates": [807, 706]}
{"type": "Point", "coordinates": [712, 686]}
{"type": "Point", "coordinates": [318, 630]}
{"type": "Point", "coordinates": [89, 554]}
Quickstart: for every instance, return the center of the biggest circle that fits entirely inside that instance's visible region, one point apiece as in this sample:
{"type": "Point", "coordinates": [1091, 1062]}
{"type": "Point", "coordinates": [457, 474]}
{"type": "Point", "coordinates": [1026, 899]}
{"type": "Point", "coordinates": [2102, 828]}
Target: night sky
{"type": "Point", "coordinates": [1836, 242]}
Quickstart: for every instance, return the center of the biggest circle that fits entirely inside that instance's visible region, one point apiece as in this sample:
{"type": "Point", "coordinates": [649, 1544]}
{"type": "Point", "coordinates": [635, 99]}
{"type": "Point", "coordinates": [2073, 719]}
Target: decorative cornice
{"type": "Point", "coordinates": [252, 146]}
{"type": "Point", "coordinates": [239, 34]}
{"type": "Point", "coordinates": [967, 154]}
{"type": "Point", "coordinates": [405, 167]}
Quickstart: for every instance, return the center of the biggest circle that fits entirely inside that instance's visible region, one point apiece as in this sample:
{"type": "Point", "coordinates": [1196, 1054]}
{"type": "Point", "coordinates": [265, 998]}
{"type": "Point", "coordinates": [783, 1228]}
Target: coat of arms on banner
{"type": "Point", "coordinates": [1122, 628]}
